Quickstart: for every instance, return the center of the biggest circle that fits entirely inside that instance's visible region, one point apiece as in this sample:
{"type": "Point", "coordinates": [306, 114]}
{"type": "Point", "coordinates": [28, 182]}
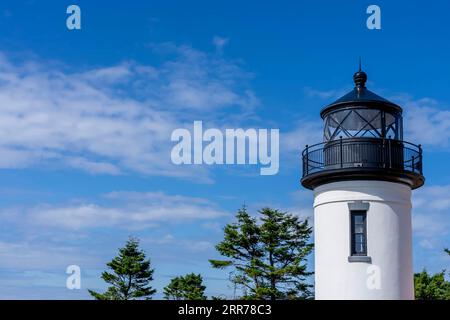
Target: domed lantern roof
{"type": "Point", "coordinates": [361, 96]}
{"type": "Point", "coordinates": [362, 113]}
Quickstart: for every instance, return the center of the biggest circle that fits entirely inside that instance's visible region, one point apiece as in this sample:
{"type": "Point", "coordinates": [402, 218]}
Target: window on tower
{"type": "Point", "coordinates": [358, 233]}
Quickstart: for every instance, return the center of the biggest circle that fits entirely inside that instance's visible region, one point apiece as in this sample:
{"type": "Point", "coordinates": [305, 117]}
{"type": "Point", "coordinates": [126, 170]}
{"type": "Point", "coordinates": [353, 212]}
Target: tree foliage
{"type": "Point", "coordinates": [188, 287]}
{"type": "Point", "coordinates": [268, 256]}
{"type": "Point", "coordinates": [431, 287]}
{"type": "Point", "coordinates": [130, 277]}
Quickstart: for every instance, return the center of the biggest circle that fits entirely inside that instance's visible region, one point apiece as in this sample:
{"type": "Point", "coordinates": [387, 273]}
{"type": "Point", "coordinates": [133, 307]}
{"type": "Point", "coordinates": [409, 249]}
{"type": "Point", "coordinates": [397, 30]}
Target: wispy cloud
{"type": "Point", "coordinates": [187, 244]}
{"type": "Point", "coordinates": [125, 210]}
{"type": "Point", "coordinates": [24, 255]}
{"type": "Point", "coordinates": [431, 224]}
{"type": "Point", "coordinates": [304, 132]}
{"type": "Point", "coordinates": [324, 94]}
{"type": "Point", "coordinates": [220, 43]}
{"type": "Point", "coordinates": [47, 238]}
{"type": "Point", "coordinates": [425, 121]}
{"type": "Point", "coordinates": [112, 119]}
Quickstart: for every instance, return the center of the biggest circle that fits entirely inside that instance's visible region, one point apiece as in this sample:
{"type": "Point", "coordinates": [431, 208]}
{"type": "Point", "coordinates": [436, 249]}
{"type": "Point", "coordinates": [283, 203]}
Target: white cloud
{"type": "Point", "coordinates": [324, 94]}
{"type": "Point", "coordinates": [425, 123]}
{"type": "Point", "coordinates": [198, 246]}
{"type": "Point", "coordinates": [433, 198]}
{"type": "Point", "coordinates": [93, 167]}
{"type": "Point", "coordinates": [305, 132]}
{"type": "Point", "coordinates": [186, 244]}
{"type": "Point", "coordinates": [167, 239]}
{"type": "Point", "coordinates": [112, 119]}
{"type": "Point", "coordinates": [110, 75]}
{"type": "Point", "coordinates": [220, 43]}
{"type": "Point", "coordinates": [126, 210]}
{"type": "Point", "coordinates": [427, 244]}
{"type": "Point", "coordinates": [431, 216]}
{"type": "Point", "coordinates": [19, 255]}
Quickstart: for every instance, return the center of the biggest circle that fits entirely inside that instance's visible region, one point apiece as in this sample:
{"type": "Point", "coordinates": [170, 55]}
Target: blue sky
{"type": "Point", "coordinates": [86, 118]}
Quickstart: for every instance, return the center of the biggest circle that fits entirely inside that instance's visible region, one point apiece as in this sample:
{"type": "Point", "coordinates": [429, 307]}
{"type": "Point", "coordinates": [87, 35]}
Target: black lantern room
{"type": "Point", "coordinates": [362, 140]}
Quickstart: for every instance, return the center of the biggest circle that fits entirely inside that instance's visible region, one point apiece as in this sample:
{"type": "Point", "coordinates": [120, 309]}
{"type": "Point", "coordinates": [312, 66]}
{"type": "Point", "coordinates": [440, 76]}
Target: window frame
{"type": "Point", "coordinates": [353, 251]}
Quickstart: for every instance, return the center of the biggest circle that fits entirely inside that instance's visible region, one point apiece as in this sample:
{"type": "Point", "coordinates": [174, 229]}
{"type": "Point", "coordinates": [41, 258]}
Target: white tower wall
{"type": "Point", "coordinates": [389, 274]}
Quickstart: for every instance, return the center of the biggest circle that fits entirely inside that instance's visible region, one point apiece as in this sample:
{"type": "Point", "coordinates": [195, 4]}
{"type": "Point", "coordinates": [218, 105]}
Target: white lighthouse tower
{"type": "Point", "coordinates": [362, 175]}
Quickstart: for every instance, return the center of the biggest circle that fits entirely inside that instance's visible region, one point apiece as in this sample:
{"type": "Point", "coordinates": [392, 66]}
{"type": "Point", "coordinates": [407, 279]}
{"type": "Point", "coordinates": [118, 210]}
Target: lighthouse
{"type": "Point", "coordinates": [362, 176]}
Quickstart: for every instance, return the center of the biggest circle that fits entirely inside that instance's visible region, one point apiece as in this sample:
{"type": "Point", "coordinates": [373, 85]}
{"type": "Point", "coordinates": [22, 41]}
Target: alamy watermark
{"type": "Point", "coordinates": [231, 146]}
{"type": "Point", "coordinates": [73, 281]}
{"type": "Point", "coordinates": [373, 281]}
{"type": "Point", "coordinates": [73, 21]}
{"type": "Point", "coordinates": [374, 20]}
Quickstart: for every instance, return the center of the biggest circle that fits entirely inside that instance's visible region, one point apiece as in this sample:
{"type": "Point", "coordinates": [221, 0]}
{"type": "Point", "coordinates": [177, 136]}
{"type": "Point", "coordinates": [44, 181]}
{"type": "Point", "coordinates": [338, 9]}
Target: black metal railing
{"type": "Point", "coordinates": [362, 152]}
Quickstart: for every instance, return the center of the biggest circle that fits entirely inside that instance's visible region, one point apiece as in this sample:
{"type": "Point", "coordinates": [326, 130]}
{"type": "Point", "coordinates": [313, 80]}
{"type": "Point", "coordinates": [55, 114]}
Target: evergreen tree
{"type": "Point", "coordinates": [431, 287]}
{"type": "Point", "coordinates": [448, 251]}
{"type": "Point", "coordinates": [130, 277]}
{"type": "Point", "coordinates": [188, 287]}
{"type": "Point", "coordinates": [268, 257]}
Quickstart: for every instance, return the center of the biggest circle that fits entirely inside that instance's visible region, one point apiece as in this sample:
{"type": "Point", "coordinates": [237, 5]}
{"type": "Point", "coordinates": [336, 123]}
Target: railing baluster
{"type": "Point", "coordinates": [390, 153]}
{"type": "Point", "coordinates": [420, 159]}
{"type": "Point", "coordinates": [307, 159]}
